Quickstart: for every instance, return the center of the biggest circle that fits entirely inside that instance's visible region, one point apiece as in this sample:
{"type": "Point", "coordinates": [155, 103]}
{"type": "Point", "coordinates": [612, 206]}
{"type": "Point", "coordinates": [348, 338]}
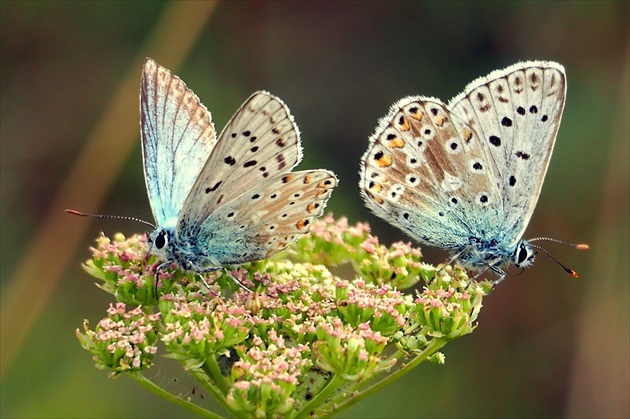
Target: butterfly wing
{"type": "Point", "coordinates": [516, 112]}
{"type": "Point", "coordinates": [177, 138]}
{"type": "Point", "coordinates": [428, 173]}
{"type": "Point", "coordinates": [267, 218]}
{"type": "Point", "coordinates": [260, 142]}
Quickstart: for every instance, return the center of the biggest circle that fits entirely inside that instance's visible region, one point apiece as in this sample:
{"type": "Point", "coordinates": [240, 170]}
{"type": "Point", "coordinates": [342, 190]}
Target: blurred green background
{"type": "Point", "coordinates": [547, 344]}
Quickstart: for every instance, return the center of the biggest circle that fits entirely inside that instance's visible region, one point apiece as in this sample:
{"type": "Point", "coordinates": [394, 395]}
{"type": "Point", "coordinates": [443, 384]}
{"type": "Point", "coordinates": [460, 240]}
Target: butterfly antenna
{"type": "Point", "coordinates": [578, 246]}
{"type": "Point", "coordinates": [567, 269]}
{"type": "Point", "coordinates": [118, 217]}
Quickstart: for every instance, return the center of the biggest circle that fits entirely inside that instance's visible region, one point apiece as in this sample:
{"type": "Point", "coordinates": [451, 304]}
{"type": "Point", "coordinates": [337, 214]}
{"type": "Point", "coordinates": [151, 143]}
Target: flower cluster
{"type": "Point", "coordinates": [266, 376]}
{"type": "Point", "coordinates": [198, 328]}
{"type": "Point", "coordinates": [331, 242]}
{"type": "Point", "coordinates": [303, 341]}
{"type": "Point", "coordinates": [121, 266]}
{"type": "Point", "coordinates": [399, 265]}
{"type": "Point", "coordinates": [448, 313]}
{"type": "Point", "coordinates": [352, 353]}
{"type": "Point", "coordinates": [123, 341]}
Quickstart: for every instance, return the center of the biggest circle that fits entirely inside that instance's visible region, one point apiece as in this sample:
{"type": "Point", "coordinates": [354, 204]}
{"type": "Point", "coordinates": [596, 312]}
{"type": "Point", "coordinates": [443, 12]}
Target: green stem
{"type": "Point", "coordinates": [434, 346]}
{"type": "Point", "coordinates": [211, 367]}
{"type": "Point", "coordinates": [212, 387]}
{"type": "Point", "coordinates": [307, 411]}
{"type": "Point", "coordinates": [150, 385]}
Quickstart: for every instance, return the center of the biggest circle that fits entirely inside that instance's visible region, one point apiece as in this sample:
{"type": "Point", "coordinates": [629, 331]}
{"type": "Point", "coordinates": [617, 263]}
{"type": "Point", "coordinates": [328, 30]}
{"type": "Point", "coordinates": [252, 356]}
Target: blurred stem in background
{"type": "Point", "coordinates": [102, 159]}
{"type": "Point", "coordinates": [594, 386]}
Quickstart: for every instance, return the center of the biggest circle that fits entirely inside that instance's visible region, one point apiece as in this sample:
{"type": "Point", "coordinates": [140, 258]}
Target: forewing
{"type": "Point", "coordinates": [428, 173]}
{"type": "Point", "coordinates": [260, 142]}
{"type": "Point", "coordinates": [177, 138]}
{"type": "Point", "coordinates": [516, 112]}
{"type": "Point", "coordinates": [267, 218]}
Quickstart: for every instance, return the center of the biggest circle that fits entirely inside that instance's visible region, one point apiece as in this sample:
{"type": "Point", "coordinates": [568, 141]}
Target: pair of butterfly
{"type": "Point", "coordinates": [464, 176]}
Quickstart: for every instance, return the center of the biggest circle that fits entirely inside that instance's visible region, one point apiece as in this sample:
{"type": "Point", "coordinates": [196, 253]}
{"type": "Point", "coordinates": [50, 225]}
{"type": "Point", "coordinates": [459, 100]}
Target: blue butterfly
{"type": "Point", "coordinates": [466, 176]}
{"type": "Point", "coordinates": [229, 200]}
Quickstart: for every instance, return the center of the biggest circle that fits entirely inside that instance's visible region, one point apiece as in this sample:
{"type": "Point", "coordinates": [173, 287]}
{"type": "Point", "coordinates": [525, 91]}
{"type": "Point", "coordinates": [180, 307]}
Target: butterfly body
{"type": "Point", "coordinates": [226, 200]}
{"type": "Point", "coordinates": [466, 176]}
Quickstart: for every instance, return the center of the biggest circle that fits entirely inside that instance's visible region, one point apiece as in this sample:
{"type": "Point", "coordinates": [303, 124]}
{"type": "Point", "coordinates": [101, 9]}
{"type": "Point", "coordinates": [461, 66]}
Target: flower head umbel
{"type": "Point", "coordinates": [266, 376]}
{"type": "Point", "coordinates": [196, 328]}
{"type": "Point", "coordinates": [448, 313]}
{"type": "Point", "coordinates": [352, 353]}
{"type": "Point", "coordinates": [123, 341]}
{"type": "Point", "coordinates": [303, 341]}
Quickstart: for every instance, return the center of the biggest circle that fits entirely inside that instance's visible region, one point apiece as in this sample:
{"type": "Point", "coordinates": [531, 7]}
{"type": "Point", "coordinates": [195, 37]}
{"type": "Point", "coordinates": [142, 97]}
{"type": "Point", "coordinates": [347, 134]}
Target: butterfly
{"type": "Point", "coordinates": [226, 200]}
{"type": "Point", "coordinates": [466, 176]}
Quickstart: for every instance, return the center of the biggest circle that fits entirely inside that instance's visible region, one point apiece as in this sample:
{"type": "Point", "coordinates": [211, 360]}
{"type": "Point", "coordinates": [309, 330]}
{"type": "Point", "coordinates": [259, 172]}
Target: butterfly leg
{"type": "Point", "coordinates": [216, 268]}
{"type": "Point", "coordinates": [502, 274]}
{"type": "Point", "coordinates": [239, 283]}
{"type": "Point", "coordinates": [453, 259]}
{"type": "Point", "coordinates": [457, 255]}
{"type": "Point", "coordinates": [157, 277]}
{"type": "Point", "coordinates": [205, 283]}
{"type": "Point", "coordinates": [494, 268]}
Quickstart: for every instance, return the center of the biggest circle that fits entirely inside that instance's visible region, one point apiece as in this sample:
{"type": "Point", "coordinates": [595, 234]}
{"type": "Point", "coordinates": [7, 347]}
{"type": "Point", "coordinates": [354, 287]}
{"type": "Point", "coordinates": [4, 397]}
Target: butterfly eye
{"type": "Point", "coordinates": [161, 240]}
{"type": "Point", "coordinates": [525, 256]}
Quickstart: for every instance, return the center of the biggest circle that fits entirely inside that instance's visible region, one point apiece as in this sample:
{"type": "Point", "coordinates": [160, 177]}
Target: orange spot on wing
{"type": "Point", "coordinates": [404, 124]}
{"type": "Point", "coordinates": [396, 143]}
{"type": "Point", "coordinates": [418, 115]}
{"type": "Point", "coordinates": [467, 134]}
{"type": "Point", "coordinates": [384, 161]}
{"type": "Point", "coordinates": [376, 188]}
